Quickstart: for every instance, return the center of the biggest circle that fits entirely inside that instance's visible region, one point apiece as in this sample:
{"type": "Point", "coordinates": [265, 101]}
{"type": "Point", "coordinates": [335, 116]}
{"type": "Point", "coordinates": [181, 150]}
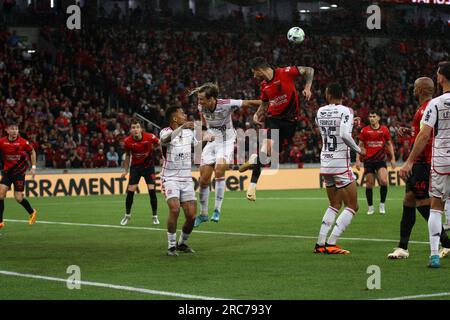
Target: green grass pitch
{"type": "Point", "coordinates": [260, 250]}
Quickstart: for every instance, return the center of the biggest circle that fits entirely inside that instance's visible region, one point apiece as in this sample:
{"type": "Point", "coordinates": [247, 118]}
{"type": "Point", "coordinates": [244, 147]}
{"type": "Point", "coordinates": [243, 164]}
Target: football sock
{"type": "Point", "coordinates": [344, 220]}
{"type": "Point", "coordinates": [183, 238]}
{"type": "Point", "coordinates": [447, 211]}
{"type": "Point", "coordinates": [256, 172]}
{"type": "Point", "coordinates": [406, 226]}
{"type": "Point", "coordinates": [383, 194]}
{"type": "Point", "coordinates": [369, 196]}
{"type": "Point", "coordinates": [424, 211]}
{"type": "Point", "coordinates": [327, 223]}
{"type": "Point", "coordinates": [153, 201]}
{"type": "Point", "coordinates": [129, 201]}
{"type": "Point", "coordinates": [204, 200]}
{"type": "Point", "coordinates": [171, 239]}
{"type": "Point", "coordinates": [434, 229]}
{"type": "Point", "coordinates": [27, 206]}
{"type": "Point", "coordinates": [220, 193]}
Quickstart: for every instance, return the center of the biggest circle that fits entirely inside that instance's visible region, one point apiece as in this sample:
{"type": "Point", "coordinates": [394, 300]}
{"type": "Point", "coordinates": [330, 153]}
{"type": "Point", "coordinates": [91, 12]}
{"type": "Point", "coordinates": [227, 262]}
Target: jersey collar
{"type": "Point", "coordinates": [14, 139]}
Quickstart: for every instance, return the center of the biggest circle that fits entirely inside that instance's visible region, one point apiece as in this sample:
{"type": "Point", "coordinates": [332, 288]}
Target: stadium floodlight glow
{"type": "Point", "coordinates": [52, 3]}
{"type": "Point", "coordinates": [303, 11]}
{"type": "Point", "coordinates": [334, 5]}
{"type": "Point", "coordinates": [324, 8]}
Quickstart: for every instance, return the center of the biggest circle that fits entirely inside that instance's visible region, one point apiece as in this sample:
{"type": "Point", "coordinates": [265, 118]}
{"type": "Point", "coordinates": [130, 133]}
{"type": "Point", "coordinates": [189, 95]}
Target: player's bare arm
{"type": "Point", "coordinates": [126, 165]}
{"type": "Point", "coordinates": [259, 115]}
{"type": "Point", "coordinates": [390, 146]}
{"type": "Point", "coordinates": [404, 131]}
{"type": "Point", "coordinates": [358, 157]}
{"type": "Point", "coordinates": [251, 103]}
{"type": "Point", "coordinates": [33, 163]}
{"type": "Point", "coordinates": [308, 72]}
{"type": "Point", "coordinates": [421, 141]}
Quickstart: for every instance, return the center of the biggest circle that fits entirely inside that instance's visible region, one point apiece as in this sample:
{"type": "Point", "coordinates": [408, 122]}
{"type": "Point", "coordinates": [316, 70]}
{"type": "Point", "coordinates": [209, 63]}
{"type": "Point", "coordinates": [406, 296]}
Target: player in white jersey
{"type": "Point", "coordinates": [435, 123]}
{"type": "Point", "coordinates": [336, 123]}
{"type": "Point", "coordinates": [176, 177]}
{"type": "Point", "coordinates": [219, 154]}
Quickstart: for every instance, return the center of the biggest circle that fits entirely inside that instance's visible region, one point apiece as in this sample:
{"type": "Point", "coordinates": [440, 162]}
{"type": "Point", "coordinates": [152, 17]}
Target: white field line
{"type": "Point", "coordinates": [420, 296]}
{"type": "Point", "coordinates": [110, 286]}
{"type": "Point", "coordinates": [280, 236]}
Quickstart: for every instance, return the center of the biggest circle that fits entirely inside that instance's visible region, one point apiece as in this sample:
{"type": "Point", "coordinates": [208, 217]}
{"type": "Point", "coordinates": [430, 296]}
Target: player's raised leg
{"type": "Point", "coordinates": [329, 217]}
{"type": "Point", "coordinates": [447, 215]}
{"type": "Point", "coordinates": [370, 183]}
{"type": "Point", "coordinates": [205, 181]}
{"type": "Point", "coordinates": [219, 173]}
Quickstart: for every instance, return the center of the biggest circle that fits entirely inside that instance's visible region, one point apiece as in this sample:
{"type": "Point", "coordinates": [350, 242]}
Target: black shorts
{"type": "Point", "coordinates": [419, 181]}
{"type": "Point", "coordinates": [373, 167]}
{"type": "Point", "coordinates": [18, 180]}
{"type": "Point", "coordinates": [286, 129]}
{"type": "Point", "coordinates": [137, 172]}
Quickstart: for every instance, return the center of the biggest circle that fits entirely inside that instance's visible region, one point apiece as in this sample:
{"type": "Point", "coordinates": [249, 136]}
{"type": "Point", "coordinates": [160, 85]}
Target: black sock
{"type": "Point", "coordinates": [2, 208]}
{"type": "Point", "coordinates": [153, 201]}
{"type": "Point", "coordinates": [256, 172]}
{"type": "Point", "coordinates": [383, 194]}
{"type": "Point", "coordinates": [406, 225]}
{"type": "Point", "coordinates": [129, 201]}
{"type": "Point", "coordinates": [369, 196]}
{"type": "Point", "coordinates": [424, 211]}
{"type": "Point", "coordinates": [27, 206]}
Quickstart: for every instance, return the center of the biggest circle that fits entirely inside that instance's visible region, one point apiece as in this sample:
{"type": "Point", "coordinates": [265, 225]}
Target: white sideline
{"type": "Point", "coordinates": [420, 296]}
{"type": "Point", "coordinates": [207, 232]}
{"type": "Point", "coordinates": [111, 286]}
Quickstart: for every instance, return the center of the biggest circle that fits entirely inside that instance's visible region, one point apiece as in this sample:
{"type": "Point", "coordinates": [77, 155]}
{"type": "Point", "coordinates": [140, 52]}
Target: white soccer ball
{"type": "Point", "coordinates": [296, 35]}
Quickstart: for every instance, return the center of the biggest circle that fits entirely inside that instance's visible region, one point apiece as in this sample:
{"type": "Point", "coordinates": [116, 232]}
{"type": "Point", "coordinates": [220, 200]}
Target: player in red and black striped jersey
{"type": "Point", "coordinates": [16, 151]}
{"type": "Point", "coordinates": [279, 108]}
{"type": "Point", "coordinates": [375, 138]}
{"type": "Point", "coordinates": [139, 148]}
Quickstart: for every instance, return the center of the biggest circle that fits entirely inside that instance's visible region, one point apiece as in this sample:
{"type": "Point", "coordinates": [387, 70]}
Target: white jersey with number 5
{"type": "Point", "coordinates": [332, 121]}
{"type": "Point", "coordinates": [437, 116]}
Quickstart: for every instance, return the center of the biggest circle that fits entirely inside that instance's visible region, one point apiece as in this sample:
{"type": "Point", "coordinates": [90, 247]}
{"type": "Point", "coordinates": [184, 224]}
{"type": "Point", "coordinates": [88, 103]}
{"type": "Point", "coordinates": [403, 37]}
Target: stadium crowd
{"type": "Point", "coordinates": [75, 100]}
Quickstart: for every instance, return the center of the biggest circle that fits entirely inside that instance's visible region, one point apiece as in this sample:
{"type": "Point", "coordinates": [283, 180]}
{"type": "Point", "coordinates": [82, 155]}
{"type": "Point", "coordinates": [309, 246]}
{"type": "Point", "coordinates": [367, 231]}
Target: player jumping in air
{"type": "Point", "coordinates": [218, 154]}
{"type": "Point", "coordinates": [336, 123]}
{"type": "Point", "coordinates": [279, 109]}
{"type": "Point", "coordinates": [375, 138]}
{"type": "Point", "coordinates": [138, 148]}
{"type": "Point", "coordinates": [16, 151]}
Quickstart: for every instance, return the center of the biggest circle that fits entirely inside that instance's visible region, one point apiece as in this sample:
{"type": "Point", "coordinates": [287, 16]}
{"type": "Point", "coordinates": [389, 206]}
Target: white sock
{"type": "Point", "coordinates": [344, 220]}
{"type": "Point", "coordinates": [252, 159]}
{"type": "Point", "coordinates": [327, 223]}
{"type": "Point", "coordinates": [252, 185]}
{"type": "Point", "coordinates": [220, 193]}
{"type": "Point", "coordinates": [447, 211]}
{"type": "Point", "coordinates": [171, 239]}
{"type": "Point", "coordinates": [183, 238]}
{"type": "Point", "coordinates": [434, 229]}
{"type": "Point", "coordinates": [204, 200]}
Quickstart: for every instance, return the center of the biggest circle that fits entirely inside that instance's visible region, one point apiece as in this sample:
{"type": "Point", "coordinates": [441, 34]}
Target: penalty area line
{"type": "Point", "coordinates": [110, 286]}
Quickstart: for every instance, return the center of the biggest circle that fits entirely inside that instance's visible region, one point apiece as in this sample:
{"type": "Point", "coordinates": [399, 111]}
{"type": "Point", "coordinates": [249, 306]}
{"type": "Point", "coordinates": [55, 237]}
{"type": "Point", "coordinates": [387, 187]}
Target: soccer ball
{"type": "Point", "coordinates": [296, 35]}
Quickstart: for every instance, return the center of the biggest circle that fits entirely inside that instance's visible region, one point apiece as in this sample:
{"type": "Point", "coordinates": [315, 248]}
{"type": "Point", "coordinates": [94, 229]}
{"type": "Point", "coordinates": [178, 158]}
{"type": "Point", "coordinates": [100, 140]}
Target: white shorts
{"type": "Point", "coordinates": [216, 150]}
{"type": "Point", "coordinates": [183, 190]}
{"type": "Point", "coordinates": [439, 186]}
{"type": "Point", "coordinates": [339, 180]}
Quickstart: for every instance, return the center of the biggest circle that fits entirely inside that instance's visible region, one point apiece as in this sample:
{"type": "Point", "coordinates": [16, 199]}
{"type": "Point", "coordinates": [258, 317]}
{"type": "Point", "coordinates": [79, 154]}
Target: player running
{"type": "Point", "coordinates": [417, 185]}
{"type": "Point", "coordinates": [139, 147]}
{"type": "Point", "coordinates": [336, 124]}
{"type": "Point", "coordinates": [176, 177]}
{"type": "Point", "coordinates": [375, 138]}
{"type": "Point", "coordinates": [279, 109]}
{"type": "Point", "coordinates": [436, 124]}
{"type": "Point", "coordinates": [218, 154]}
{"type": "Point", "coordinates": [16, 151]}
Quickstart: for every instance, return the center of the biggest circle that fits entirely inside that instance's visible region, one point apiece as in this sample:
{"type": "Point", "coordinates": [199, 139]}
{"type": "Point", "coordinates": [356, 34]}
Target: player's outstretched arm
{"type": "Point", "coordinates": [308, 72]}
{"type": "Point", "coordinates": [251, 103]}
